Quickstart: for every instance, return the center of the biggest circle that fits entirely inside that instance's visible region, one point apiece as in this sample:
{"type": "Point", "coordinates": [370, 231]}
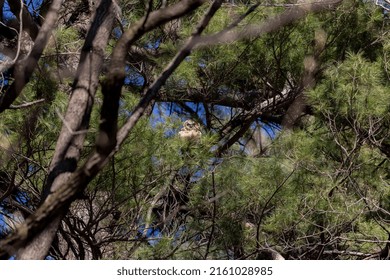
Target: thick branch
{"type": "Point", "coordinates": [85, 85]}
{"type": "Point", "coordinates": [58, 201]}
{"type": "Point", "coordinates": [70, 141]}
{"type": "Point", "coordinates": [24, 68]}
{"type": "Point", "coordinates": [113, 85]}
{"type": "Point", "coordinates": [245, 100]}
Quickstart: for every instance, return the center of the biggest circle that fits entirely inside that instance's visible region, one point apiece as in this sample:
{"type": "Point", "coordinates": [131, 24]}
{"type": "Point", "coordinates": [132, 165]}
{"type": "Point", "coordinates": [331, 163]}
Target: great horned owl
{"type": "Point", "coordinates": [190, 131]}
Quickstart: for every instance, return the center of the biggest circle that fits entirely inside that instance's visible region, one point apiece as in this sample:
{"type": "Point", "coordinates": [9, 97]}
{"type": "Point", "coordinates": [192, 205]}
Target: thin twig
{"type": "Point", "coordinates": [4, 66]}
{"type": "Point", "coordinates": [25, 105]}
{"type": "Point", "coordinates": [265, 207]}
{"type": "Point", "coordinates": [68, 127]}
{"type": "Point", "coordinates": [160, 81]}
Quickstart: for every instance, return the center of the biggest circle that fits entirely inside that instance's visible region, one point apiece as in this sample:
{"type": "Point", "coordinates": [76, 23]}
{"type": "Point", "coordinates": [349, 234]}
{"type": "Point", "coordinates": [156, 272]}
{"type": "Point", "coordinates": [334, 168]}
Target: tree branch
{"type": "Point", "coordinates": [29, 24]}
{"type": "Point", "coordinates": [59, 200]}
{"type": "Point", "coordinates": [24, 68]}
{"type": "Point", "coordinates": [76, 121]}
{"type": "Point", "coordinates": [112, 86]}
{"type": "Point", "coordinates": [26, 105]}
{"type": "Point", "coordinates": [291, 15]}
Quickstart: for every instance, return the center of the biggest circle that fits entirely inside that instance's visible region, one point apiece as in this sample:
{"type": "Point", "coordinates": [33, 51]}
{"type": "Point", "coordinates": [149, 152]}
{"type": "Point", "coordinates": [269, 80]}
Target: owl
{"type": "Point", "coordinates": [190, 131]}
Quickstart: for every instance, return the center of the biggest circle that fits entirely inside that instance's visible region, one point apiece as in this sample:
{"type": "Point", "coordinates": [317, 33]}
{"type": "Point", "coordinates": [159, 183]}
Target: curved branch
{"type": "Point", "coordinates": [112, 86]}
{"type": "Point", "coordinates": [58, 202]}
{"type": "Point", "coordinates": [24, 68]}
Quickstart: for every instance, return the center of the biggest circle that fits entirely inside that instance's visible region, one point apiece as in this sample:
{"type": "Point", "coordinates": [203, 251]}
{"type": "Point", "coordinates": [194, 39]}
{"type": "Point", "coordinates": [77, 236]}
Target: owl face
{"type": "Point", "coordinates": [190, 125]}
{"type": "Point", "coordinates": [190, 130]}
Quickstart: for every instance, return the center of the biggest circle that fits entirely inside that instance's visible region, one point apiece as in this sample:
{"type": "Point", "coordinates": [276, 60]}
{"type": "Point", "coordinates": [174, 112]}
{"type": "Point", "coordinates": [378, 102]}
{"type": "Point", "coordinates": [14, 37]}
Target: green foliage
{"type": "Point", "coordinates": [322, 186]}
{"type": "Point", "coordinates": [355, 90]}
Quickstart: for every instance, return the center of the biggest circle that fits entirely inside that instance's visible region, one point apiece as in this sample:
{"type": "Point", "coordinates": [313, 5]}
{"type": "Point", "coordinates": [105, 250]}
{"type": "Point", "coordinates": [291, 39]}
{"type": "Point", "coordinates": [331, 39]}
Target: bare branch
{"type": "Point", "coordinates": [24, 68]}
{"type": "Point", "coordinates": [346, 252]}
{"type": "Point", "coordinates": [75, 121]}
{"type": "Point", "coordinates": [308, 81]}
{"type": "Point", "coordinates": [57, 203]}
{"type": "Point", "coordinates": [166, 73]}
{"type": "Point", "coordinates": [112, 87]}
{"type": "Point", "coordinates": [5, 65]}
{"type": "Point", "coordinates": [26, 105]}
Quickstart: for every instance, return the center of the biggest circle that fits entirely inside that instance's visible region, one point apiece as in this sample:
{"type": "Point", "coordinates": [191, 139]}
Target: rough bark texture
{"type": "Point", "coordinates": [24, 68]}
{"type": "Point", "coordinates": [76, 121]}
{"type": "Point", "coordinates": [57, 202]}
{"type": "Point", "coordinates": [67, 180]}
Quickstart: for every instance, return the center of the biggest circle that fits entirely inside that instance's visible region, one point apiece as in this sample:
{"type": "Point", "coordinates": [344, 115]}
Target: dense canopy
{"type": "Point", "coordinates": [194, 129]}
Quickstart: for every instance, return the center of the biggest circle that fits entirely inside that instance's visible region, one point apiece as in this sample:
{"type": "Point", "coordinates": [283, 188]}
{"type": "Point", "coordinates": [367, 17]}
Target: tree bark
{"type": "Point", "coordinates": [23, 69]}
{"type": "Point", "coordinates": [76, 121]}
{"type": "Point", "coordinates": [58, 201]}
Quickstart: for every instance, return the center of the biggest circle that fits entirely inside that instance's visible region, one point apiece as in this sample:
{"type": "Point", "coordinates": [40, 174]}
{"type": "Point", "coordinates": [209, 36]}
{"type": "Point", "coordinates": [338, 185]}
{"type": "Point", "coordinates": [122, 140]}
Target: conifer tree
{"type": "Point", "coordinates": [291, 106]}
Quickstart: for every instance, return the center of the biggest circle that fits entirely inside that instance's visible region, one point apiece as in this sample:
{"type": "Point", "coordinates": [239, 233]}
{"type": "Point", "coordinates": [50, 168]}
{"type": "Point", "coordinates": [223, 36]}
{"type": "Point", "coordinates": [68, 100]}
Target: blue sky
{"type": "Point", "coordinates": [32, 6]}
{"type": "Point", "coordinates": [158, 113]}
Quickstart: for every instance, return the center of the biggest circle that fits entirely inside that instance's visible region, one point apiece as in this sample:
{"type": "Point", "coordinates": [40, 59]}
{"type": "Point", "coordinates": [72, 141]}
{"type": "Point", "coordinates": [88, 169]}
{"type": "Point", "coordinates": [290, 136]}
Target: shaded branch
{"type": "Point", "coordinates": [76, 120]}
{"type": "Point", "coordinates": [59, 200]}
{"type": "Point", "coordinates": [29, 24]}
{"type": "Point", "coordinates": [112, 86]}
{"type": "Point", "coordinates": [24, 68]}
